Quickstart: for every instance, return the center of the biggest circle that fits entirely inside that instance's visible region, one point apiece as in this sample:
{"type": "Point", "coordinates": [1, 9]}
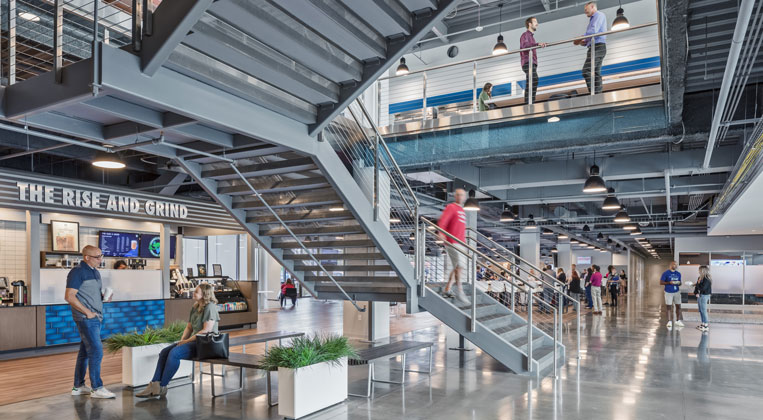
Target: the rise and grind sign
{"type": "Point", "coordinates": [72, 197]}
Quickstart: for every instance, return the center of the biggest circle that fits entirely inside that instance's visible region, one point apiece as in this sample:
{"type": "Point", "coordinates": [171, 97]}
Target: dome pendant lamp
{"type": "Point", "coordinates": [594, 183]}
{"type": "Point", "coordinates": [611, 202]}
{"type": "Point", "coordinates": [108, 160]}
{"type": "Point", "coordinates": [622, 216]}
{"type": "Point", "coordinates": [402, 68]}
{"type": "Point", "coordinates": [471, 202]}
{"type": "Point", "coordinates": [620, 22]}
{"type": "Point", "coordinates": [507, 215]}
{"type": "Point", "coordinates": [500, 46]}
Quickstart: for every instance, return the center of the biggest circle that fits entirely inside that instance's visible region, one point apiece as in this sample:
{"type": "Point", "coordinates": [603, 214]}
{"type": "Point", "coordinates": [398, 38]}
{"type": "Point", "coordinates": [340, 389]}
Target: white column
{"type": "Point", "coordinates": [164, 259]}
{"type": "Point", "coordinates": [564, 257]}
{"type": "Point", "coordinates": [529, 246]}
{"type": "Point", "coordinates": [33, 260]}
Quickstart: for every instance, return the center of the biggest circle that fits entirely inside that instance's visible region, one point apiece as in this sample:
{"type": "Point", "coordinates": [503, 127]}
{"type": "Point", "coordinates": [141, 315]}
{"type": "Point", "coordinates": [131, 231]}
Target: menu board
{"type": "Point", "coordinates": [149, 246]}
{"type": "Point", "coordinates": [118, 244]}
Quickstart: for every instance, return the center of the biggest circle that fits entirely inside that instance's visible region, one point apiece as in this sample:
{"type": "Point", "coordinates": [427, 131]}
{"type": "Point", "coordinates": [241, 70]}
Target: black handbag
{"type": "Point", "coordinates": [212, 346]}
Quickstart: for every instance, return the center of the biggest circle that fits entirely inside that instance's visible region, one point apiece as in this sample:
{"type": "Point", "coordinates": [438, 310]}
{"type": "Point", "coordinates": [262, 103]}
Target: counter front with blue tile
{"type": "Point", "coordinates": [119, 317]}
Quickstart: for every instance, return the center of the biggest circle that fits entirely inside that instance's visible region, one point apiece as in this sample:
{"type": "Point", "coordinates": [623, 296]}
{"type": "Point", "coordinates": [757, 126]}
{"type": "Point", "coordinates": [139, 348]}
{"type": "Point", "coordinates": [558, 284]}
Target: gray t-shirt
{"type": "Point", "coordinates": [87, 281]}
{"type": "Point", "coordinates": [209, 313]}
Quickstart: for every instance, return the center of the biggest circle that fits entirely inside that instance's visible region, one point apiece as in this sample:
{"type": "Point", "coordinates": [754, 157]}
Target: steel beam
{"type": "Point", "coordinates": [373, 70]}
{"type": "Point", "coordinates": [172, 22]}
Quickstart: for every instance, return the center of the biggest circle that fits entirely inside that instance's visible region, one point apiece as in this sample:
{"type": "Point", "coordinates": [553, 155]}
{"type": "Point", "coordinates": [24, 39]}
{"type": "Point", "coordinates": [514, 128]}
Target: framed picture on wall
{"type": "Point", "coordinates": [217, 270]}
{"type": "Point", "coordinates": [65, 236]}
{"type": "Point", "coordinates": [202, 269]}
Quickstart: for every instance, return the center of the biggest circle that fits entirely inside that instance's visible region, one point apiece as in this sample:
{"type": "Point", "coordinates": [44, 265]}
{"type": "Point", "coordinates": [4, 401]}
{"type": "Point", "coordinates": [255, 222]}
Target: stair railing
{"type": "Point", "coordinates": [546, 279]}
{"type": "Point", "coordinates": [291, 233]}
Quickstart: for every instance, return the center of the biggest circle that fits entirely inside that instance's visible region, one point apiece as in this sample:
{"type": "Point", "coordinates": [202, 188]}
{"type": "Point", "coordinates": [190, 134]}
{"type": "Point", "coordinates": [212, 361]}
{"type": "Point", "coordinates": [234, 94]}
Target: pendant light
{"type": "Point", "coordinates": [507, 215]}
{"type": "Point", "coordinates": [108, 160]}
{"type": "Point", "coordinates": [402, 68]}
{"type": "Point", "coordinates": [531, 223]}
{"type": "Point", "coordinates": [622, 216]}
{"type": "Point", "coordinates": [586, 228]}
{"type": "Point", "coordinates": [594, 183]}
{"type": "Point", "coordinates": [611, 202]}
{"type": "Point", "coordinates": [412, 236]}
{"type": "Point", "coordinates": [547, 232]}
{"type": "Point", "coordinates": [600, 236]}
{"type": "Point", "coordinates": [636, 231]}
{"type": "Point", "coordinates": [562, 236]}
{"type": "Point", "coordinates": [471, 203]}
{"type": "Point", "coordinates": [500, 47]}
{"type": "Point", "coordinates": [554, 250]}
{"type": "Point", "coordinates": [620, 22]}
{"type": "Point", "coordinates": [630, 226]}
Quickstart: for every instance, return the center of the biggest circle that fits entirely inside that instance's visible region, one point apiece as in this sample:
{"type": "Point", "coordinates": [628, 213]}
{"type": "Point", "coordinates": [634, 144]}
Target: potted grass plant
{"type": "Point", "coordinates": [312, 373]}
{"type": "Point", "coordinates": [140, 351]}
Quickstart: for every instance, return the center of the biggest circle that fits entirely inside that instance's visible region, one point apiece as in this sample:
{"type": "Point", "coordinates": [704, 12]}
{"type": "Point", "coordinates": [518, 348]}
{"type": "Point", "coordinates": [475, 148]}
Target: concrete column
{"type": "Point", "coordinates": [179, 251]}
{"type": "Point", "coordinates": [564, 256]}
{"type": "Point", "coordinates": [33, 261]}
{"type": "Point", "coordinates": [529, 246]}
{"type": "Point", "coordinates": [251, 259]}
{"type": "Point", "coordinates": [164, 258]}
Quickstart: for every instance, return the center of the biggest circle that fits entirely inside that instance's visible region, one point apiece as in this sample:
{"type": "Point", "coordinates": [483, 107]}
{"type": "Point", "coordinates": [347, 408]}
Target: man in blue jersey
{"type": "Point", "coordinates": [671, 279]}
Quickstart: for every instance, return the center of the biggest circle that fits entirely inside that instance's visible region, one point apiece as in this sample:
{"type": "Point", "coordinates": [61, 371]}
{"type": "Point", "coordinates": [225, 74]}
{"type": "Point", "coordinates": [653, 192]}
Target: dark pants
{"type": "Point", "coordinates": [526, 69]}
{"type": "Point", "coordinates": [614, 290]}
{"type": "Point", "coordinates": [588, 297]}
{"type": "Point", "coordinates": [599, 52]}
{"type": "Point", "coordinates": [169, 361]}
{"type": "Point", "coordinates": [90, 353]}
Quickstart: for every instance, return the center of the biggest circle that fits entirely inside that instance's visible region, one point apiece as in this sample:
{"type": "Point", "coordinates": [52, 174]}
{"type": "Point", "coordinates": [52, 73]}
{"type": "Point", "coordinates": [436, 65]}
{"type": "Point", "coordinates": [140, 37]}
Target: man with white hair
{"type": "Point", "coordinates": [597, 23]}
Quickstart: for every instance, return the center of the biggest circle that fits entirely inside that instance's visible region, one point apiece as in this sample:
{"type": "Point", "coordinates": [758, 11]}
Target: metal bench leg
{"type": "Point", "coordinates": [402, 378]}
{"type": "Point", "coordinates": [240, 382]}
{"type": "Point", "coordinates": [211, 373]}
{"type": "Point", "coordinates": [423, 371]}
{"type": "Point", "coordinates": [269, 388]}
{"type": "Point", "coordinates": [368, 383]}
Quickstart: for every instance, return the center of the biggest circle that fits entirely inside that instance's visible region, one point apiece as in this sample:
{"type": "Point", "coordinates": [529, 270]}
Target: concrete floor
{"type": "Point", "coordinates": [631, 367]}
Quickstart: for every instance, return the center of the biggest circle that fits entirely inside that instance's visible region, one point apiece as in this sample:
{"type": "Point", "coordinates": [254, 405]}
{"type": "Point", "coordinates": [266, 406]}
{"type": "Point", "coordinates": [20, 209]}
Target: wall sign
{"type": "Point", "coordinates": [72, 197]}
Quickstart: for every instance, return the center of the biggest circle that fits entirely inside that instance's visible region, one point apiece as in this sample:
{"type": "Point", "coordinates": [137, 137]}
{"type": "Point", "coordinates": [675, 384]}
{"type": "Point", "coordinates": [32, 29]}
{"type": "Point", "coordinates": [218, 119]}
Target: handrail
{"type": "Point", "coordinates": [384, 144]}
{"type": "Point", "coordinates": [520, 50]}
{"type": "Point", "coordinates": [302, 245]}
{"type": "Point", "coordinates": [476, 251]}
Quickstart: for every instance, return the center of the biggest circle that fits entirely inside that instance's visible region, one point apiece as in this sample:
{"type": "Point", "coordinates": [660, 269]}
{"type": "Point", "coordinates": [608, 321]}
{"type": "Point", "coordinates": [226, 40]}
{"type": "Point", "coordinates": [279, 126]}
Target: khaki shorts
{"type": "Point", "coordinates": [673, 298]}
{"type": "Point", "coordinates": [457, 255]}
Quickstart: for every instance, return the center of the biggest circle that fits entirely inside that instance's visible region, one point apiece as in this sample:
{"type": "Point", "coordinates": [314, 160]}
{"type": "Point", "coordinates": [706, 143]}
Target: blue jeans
{"type": "Point", "coordinates": [90, 353]}
{"type": "Point", "coordinates": [703, 301]}
{"type": "Point", "coordinates": [588, 297]}
{"type": "Point", "coordinates": [169, 361]}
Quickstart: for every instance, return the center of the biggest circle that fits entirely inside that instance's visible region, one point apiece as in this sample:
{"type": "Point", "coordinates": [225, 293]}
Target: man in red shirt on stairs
{"type": "Point", "coordinates": [453, 221]}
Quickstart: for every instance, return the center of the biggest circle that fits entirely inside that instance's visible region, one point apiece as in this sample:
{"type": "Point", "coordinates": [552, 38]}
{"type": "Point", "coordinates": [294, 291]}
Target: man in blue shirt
{"type": "Point", "coordinates": [83, 293]}
{"type": "Point", "coordinates": [597, 23]}
{"type": "Point", "coordinates": [671, 279]}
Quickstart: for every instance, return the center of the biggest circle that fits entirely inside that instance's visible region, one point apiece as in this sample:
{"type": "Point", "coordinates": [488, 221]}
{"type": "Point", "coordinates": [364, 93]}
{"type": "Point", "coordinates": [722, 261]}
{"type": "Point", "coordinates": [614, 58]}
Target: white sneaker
{"type": "Point", "coordinates": [83, 390]}
{"type": "Point", "coordinates": [679, 323]}
{"type": "Point", "coordinates": [670, 324]}
{"type": "Point", "coordinates": [102, 392]}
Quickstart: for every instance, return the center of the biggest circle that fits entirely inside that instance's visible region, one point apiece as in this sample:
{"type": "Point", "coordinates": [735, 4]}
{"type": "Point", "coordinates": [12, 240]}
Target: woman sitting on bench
{"type": "Point", "coordinates": [203, 319]}
{"type": "Point", "coordinates": [288, 290]}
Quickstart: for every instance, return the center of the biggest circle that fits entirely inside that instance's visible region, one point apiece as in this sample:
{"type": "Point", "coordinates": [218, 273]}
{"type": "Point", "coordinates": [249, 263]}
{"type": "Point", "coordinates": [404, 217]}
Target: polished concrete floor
{"type": "Point", "coordinates": [630, 367]}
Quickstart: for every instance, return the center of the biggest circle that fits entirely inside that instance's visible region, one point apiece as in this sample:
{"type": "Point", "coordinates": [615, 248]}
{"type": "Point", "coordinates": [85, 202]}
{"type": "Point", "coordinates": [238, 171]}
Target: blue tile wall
{"type": "Point", "coordinates": [118, 317]}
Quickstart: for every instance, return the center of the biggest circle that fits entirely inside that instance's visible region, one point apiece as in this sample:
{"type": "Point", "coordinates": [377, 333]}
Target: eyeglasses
{"type": "Point", "coordinates": [97, 257]}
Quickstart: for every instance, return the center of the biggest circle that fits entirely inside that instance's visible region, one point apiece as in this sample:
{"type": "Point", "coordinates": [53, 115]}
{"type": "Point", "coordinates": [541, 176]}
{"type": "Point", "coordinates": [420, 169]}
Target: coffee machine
{"type": "Point", "coordinates": [19, 293]}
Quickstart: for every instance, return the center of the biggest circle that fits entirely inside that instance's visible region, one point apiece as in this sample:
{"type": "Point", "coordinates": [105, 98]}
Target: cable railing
{"type": "Point", "coordinates": [632, 59]}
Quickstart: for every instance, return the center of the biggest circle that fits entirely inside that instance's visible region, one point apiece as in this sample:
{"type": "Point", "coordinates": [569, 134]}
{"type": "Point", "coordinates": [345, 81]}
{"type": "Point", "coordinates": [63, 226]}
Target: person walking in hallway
{"type": "Point", "coordinates": [203, 319]}
{"type": "Point", "coordinates": [527, 40]}
{"type": "Point", "coordinates": [597, 23]}
{"type": "Point", "coordinates": [702, 290]}
{"type": "Point", "coordinates": [613, 282]}
{"type": "Point", "coordinates": [671, 279]}
{"type": "Point", "coordinates": [596, 289]}
{"type": "Point", "coordinates": [575, 289]}
{"type": "Point", "coordinates": [83, 294]}
{"type": "Point", "coordinates": [453, 221]}
{"type": "Point", "coordinates": [588, 296]}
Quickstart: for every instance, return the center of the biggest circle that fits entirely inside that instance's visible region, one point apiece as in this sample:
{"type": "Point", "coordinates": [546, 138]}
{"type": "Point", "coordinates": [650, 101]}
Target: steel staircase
{"type": "Point", "coordinates": [214, 93]}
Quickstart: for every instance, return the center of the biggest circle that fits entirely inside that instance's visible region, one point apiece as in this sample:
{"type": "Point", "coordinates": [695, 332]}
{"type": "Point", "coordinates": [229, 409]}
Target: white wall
{"type": "Point", "coordinates": [602, 259]}
{"type": "Point", "coordinates": [718, 244]}
{"type": "Point", "coordinates": [13, 250]}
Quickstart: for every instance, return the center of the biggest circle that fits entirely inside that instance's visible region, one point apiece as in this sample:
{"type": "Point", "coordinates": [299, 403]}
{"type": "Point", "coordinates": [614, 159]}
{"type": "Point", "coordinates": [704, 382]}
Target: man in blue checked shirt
{"type": "Point", "coordinates": [597, 23]}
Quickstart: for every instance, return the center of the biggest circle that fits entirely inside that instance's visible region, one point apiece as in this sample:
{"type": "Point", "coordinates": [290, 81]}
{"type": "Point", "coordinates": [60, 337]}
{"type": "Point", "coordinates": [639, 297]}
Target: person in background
{"type": "Point", "coordinates": [671, 279]}
{"type": "Point", "coordinates": [587, 283]}
{"type": "Point", "coordinates": [485, 95]}
{"type": "Point", "coordinates": [596, 289]}
{"type": "Point", "coordinates": [527, 40]}
{"type": "Point", "coordinates": [548, 288]}
{"type": "Point", "coordinates": [623, 283]}
{"type": "Point", "coordinates": [562, 277]}
{"type": "Point", "coordinates": [203, 319]}
{"type": "Point", "coordinates": [613, 282]}
{"type": "Point", "coordinates": [575, 289]}
{"type": "Point", "coordinates": [453, 221]}
{"type": "Point", "coordinates": [702, 290]}
{"type": "Point", "coordinates": [83, 293]}
{"type": "Point", "coordinates": [120, 265]}
{"type": "Point", "coordinates": [597, 23]}
{"type": "Point", "coordinates": [288, 290]}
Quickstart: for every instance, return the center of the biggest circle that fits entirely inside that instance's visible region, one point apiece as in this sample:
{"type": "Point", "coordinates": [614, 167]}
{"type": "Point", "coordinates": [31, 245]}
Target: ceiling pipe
{"type": "Point", "coordinates": [27, 131]}
{"type": "Point", "coordinates": [743, 20]}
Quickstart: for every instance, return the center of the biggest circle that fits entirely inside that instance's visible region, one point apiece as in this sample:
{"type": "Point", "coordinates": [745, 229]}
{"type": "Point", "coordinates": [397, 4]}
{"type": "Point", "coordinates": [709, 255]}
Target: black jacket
{"type": "Point", "coordinates": [703, 287]}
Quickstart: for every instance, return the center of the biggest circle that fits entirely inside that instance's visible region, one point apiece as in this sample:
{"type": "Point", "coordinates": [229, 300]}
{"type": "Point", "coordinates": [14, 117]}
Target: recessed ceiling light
{"type": "Point", "coordinates": [553, 119]}
{"type": "Point", "coordinates": [29, 16]}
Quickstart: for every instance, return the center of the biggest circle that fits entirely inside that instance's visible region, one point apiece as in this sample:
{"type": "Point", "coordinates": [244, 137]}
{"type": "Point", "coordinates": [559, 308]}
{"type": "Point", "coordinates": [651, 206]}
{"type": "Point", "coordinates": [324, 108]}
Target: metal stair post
{"type": "Point", "coordinates": [530, 298]}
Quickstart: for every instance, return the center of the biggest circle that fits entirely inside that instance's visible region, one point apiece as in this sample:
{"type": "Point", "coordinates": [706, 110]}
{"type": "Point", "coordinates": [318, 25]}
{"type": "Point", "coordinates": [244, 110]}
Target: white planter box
{"type": "Point", "coordinates": [139, 364]}
{"type": "Point", "coordinates": [306, 390]}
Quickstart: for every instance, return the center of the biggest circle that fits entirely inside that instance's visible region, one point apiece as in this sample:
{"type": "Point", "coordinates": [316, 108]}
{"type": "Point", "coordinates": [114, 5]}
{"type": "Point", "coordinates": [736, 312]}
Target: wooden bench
{"type": "Point", "coordinates": [370, 355]}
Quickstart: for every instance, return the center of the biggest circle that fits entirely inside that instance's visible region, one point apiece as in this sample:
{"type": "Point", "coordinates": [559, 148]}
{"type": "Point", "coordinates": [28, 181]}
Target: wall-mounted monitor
{"type": "Point", "coordinates": [118, 244]}
{"type": "Point", "coordinates": [149, 246]}
{"type": "Point", "coordinates": [584, 260]}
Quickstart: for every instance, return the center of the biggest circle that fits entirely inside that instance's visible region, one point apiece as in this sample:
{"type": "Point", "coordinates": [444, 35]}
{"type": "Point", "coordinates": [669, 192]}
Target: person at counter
{"type": "Point", "coordinates": [83, 293]}
{"type": "Point", "coordinates": [120, 265]}
{"type": "Point", "coordinates": [203, 319]}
